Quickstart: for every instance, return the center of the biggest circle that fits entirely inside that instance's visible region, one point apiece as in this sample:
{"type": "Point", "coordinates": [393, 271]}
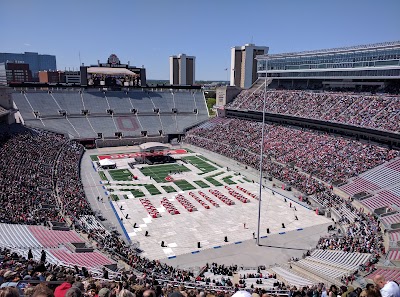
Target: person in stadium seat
{"type": "Point", "coordinates": [333, 291]}
{"type": "Point", "coordinates": [104, 292]}
{"type": "Point", "coordinates": [387, 288]}
{"type": "Point", "coordinates": [75, 292]}
{"type": "Point", "coordinates": [42, 290]}
{"type": "Point", "coordinates": [9, 292]}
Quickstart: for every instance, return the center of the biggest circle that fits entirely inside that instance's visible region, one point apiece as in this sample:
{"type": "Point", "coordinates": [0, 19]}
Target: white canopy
{"type": "Point", "coordinates": [106, 162]}
{"type": "Point", "coordinates": [154, 145]}
{"type": "Point", "coordinates": [110, 71]}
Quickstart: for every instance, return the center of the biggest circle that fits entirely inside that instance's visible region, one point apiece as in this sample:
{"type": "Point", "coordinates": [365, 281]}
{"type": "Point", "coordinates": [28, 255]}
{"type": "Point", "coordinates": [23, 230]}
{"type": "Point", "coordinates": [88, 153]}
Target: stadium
{"type": "Point", "coordinates": [296, 182]}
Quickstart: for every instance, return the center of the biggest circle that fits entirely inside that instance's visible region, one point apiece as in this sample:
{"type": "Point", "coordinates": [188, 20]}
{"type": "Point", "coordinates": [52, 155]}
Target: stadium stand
{"type": "Point", "coordinates": [380, 177]}
{"type": "Point", "coordinates": [90, 260]}
{"type": "Point", "coordinates": [388, 273]}
{"type": "Point", "coordinates": [378, 111]}
{"type": "Point", "coordinates": [111, 111]}
{"type": "Point", "coordinates": [291, 278]}
{"type": "Point", "coordinates": [70, 101]}
{"type": "Point", "coordinates": [391, 219]}
{"type": "Point", "coordinates": [322, 155]}
{"type": "Point", "coordinates": [295, 157]}
{"type": "Point", "coordinates": [52, 238]}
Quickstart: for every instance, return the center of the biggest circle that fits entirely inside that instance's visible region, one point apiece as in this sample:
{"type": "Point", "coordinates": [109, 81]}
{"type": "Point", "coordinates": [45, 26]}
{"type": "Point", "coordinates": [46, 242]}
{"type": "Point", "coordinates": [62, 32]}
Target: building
{"type": "Point", "coordinates": [18, 72]}
{"type": "Point", "coordinates": [182, 70]}
{"type": "Point", "coordinates": [112, 74]}
{"type": "Point", "coordinates": [60, 77]}
{"type": "Point", "coordinates": [52, 77]}
{"type": "Point", "coordinates": [3, 74]}
{"type": "Point", "coordinates": [36, 62]}
{"type": "Point", "coordinates": [364, 67]}
{"type": "Point", "coordinates": [72, 77]}
{"type": "Point", "coordinates": [244, 64]}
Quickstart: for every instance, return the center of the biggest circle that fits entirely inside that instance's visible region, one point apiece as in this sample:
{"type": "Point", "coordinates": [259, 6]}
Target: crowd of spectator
{"type": "Point", "coordinates": [295, 157]}
{"type": "Point", "coordinates": [373, 111]}
{"type": "Point", "coordinates": [40, 170]}
{"type": "Point", "coordinates": [327, 157]}
{"type": "Point", "coordinates": [26, 277]}
{"type": "Point", "coordinates": [26, 169]}
{"type": "Point", "coordinates": [39, 175]}
{"type": "Point", "coordinates": [68, 184]}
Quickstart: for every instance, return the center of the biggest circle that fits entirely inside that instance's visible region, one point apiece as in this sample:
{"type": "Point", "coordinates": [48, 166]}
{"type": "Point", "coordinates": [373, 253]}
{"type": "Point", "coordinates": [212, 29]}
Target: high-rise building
{"type": "Point", "coordinates": [36, 62]}
{"type": "Point", "coordinates": [244, 64]}
{"type": "Point", "coordinates": [3, 74]}
{"type": "Point", "coordinates": [182, 70]}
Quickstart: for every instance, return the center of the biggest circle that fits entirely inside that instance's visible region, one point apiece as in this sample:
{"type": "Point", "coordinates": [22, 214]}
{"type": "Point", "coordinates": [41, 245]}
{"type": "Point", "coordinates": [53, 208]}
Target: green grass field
{"type": "Point", "coordinates": [160, 172]}
{"type": "Point", "coordinates": [184, 185]}
{"type": "Point", "coordinates": [103, 175]}
{"type": "Point", "coordinates": [228, 180]}
{"type": "Point", "coordinates": [152, 189]}
{"type": "Point", "coordinates": [204, 166]}
{"type": "Point", "coordinates": [169, 189]}
{"type": "Point", "coordinates": [213, 181]}
{"type": "Point", "coordinates": [114, 197]}
{"type": "Point", "coordinates": [216, 174]}
{"type": "Point", "coordinates": [201, 184]}
{"type": "Point", "coordinates": [120, 174]}
{"type": "Point", "coordinates": [137, 193]}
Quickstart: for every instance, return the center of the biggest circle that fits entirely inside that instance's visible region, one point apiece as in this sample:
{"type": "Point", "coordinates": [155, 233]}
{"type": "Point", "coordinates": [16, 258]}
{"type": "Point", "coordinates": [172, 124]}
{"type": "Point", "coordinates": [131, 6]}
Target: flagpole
{"type": "Point", "coordinates": [262, 155]}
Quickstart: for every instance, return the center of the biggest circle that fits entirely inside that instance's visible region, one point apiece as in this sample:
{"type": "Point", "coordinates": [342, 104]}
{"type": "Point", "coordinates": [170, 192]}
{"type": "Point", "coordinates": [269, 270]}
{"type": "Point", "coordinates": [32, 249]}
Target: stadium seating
{"type": "Point", "coordinates": [119, 102]}
{"type": "Point", "coordinates": [76, 125]}
{"type": "Point", "coordinates": [378, 111]}
{"type": "Point", "coordinates": [90, 259]}
{"type": "Point", "coordinates": [71, 101]}
{"type": "Point", "coordinates": [391, 219]}
{"type": "Point", "coordinates": [339, 259]}
{"type": "Point", "coordinates": [164, 101]}
{"type": "Point", "coordinates": [382, 199]}
{"type": "Point", "coordinates": [376, 179]}
{"type": "Point", "coordinates": [388, 273]}
{"type": "Point", "coordinates": [324, 156]}
{"type": "Point", "coordinates": [291, 278]}
{"type": "Point", "coordinates": [95, 102]}
{"type": "Point", "coordinates": [17, 236]}
{"type": "Point", "coordinates": [394, 255]}
{"type": "Point", "coordinates": [184, 102]}
{"type": "Point", "coordinates": [142, 102]}
{"type": "Point", "coordinates": [52, 238]}
{"type": "Point", "coordinates": [44, 103]}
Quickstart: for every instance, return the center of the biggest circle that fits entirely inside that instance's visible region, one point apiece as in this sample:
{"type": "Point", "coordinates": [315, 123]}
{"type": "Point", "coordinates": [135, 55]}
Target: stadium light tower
{"type": "Point", "coordinates": [262, 152]}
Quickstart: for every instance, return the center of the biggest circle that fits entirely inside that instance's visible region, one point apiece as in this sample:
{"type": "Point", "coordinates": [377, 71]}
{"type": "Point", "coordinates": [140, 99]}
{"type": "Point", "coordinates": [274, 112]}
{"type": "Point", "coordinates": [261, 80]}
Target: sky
{"type": "Point", "coordinates": [147, 32]}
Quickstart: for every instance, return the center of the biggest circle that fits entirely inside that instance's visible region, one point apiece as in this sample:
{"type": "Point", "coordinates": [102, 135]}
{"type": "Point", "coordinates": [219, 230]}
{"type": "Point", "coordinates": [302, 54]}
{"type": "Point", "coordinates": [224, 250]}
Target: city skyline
{"type": "Point", "coordinates": [148, 32]}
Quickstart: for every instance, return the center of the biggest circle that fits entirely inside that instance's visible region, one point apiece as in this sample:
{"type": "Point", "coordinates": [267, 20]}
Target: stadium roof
{"type": "Point", "coordinates": [375, 46]}
{"type": "Point", "coordinates": [110, 71]}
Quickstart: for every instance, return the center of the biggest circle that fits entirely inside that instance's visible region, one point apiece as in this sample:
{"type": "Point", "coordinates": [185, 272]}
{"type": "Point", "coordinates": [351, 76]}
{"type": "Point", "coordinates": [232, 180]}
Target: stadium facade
{"type": "Point", "coordinates": [369, 67]}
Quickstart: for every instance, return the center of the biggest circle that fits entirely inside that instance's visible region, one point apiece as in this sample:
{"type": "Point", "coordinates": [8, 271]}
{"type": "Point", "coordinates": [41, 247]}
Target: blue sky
{"type": "Point", "coordinates": [147, 32]}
